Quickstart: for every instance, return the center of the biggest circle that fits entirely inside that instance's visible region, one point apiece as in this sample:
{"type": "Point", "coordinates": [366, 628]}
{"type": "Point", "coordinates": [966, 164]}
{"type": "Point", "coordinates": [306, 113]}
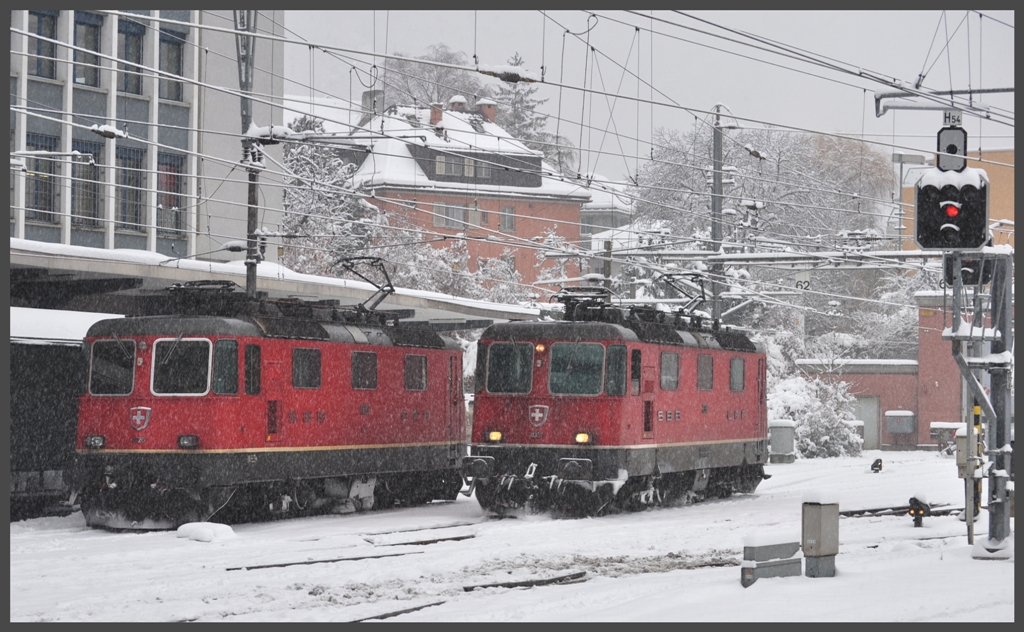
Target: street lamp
{"type": "Point", "coordinates": [904, 159]}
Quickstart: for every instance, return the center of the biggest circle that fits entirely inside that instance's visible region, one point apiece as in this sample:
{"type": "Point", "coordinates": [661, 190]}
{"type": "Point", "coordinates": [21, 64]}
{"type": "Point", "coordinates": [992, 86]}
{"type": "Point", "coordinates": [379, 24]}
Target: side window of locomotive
{"type": "Point", "coordinates": [669, 371]}
{"type": "Point", "coordinates": [576, 368]}
{"type": "Point", "coordinates": [306, 368]}
{"type": "Point", "coordinates": [615, 370]}
{"type": "Point", "coordinates": [510, 367]}
{"type": "Point", "coordinates": [225, 367]}
{"type": "Point", "coordinates": [253, 373]}
{"type": "Point", "coordinates": [364, 370]}
{"type": "Point", "coordinates": [737, 367]}
{"type": "Point", "coordinates": [415, 372]}
{"type": "Point", "coordinates": [181, 366]}
{"type": "Point", "coordinates": [634, 372]}
{"type": "Point", "coordinates": [112, 370]}
{"type": "Point", "coordinates": [705, 372]}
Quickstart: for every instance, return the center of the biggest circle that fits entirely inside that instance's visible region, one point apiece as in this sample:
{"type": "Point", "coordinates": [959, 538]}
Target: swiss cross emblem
{"type": "Point", "coordinates": [139, 417]}
{"type": "Point", "coordinates": [538, 415]}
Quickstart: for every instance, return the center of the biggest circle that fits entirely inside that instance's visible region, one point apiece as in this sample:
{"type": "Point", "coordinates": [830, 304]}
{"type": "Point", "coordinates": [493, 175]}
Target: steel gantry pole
{"type": "Point", "coordinates": [716, 217]}
{"type": "Point", "coordinates": [245, 22]}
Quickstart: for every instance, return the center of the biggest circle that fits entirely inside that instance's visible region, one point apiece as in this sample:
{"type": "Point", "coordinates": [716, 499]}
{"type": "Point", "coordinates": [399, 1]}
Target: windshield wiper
{"type": "Point", "coordinates": [170, 352]}
{"type": "Point", "coordinates": [130, 356]}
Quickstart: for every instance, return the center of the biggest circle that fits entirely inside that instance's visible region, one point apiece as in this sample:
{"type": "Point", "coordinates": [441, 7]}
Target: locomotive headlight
{"type": "Point", "coordinates": [95, 442]}
{"type": "Point", "coordinates": [583, 437]}
{"type": "Point", "coordinates": [540, 348]}
{"type": "Point", "coordinates": [494, 436]}
{"type": "Point", "coordinates": [188, 442]}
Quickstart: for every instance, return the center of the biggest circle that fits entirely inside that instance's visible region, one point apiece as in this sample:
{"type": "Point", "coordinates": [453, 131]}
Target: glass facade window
{"type": "Point", "coordinates": [170, 185]}
{"type": "Point", "coordinates": [87, 184]}
{"type": "Point", "coordinates": [41, 179]}
{"type": "Point", "coordinates": [43, 24]}
{"type": "Point", "coordinates": [171, 62]}
{"type": "Point", "coordinates": [87, 35]}
{"type": "Point", "coordinates": [131, 188]}
{"type": "Point", "coordinates": [129, 49]}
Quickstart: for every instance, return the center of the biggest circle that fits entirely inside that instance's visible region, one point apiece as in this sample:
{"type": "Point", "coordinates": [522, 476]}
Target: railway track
{"type": "Point", "coordinates": [898, 510]}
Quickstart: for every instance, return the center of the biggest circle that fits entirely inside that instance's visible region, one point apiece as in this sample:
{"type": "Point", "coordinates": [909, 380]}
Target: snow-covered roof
{"type": "Point", "coordinates": [605, 194]}
{"type": "Point", "coordinates": [390, 162]}
{"type": "Point", "coordinates": [49, 326]}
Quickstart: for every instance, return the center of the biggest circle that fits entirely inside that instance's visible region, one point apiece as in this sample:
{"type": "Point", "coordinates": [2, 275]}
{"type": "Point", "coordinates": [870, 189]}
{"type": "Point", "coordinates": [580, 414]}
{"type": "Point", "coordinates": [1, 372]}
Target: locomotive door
{"type": "Point", "coordinates": [275, 405]}
{"type": "Point", "coordinates": [456, 408]}
{"type": "Point", "coordinates": [649, 374]}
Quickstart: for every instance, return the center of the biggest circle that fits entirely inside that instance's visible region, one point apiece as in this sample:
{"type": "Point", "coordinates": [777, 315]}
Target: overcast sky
{"type": "Point", "coordinates": [696, 70]}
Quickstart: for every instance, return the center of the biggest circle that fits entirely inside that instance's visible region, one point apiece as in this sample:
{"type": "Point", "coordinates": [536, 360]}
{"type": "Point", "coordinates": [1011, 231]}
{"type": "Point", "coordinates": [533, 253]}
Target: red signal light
{"type": "Point", "coordinates": [951, 210]}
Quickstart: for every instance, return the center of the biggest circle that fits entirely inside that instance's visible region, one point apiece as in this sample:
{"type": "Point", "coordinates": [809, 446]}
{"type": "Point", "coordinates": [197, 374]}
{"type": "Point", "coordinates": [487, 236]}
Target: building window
{"type": "Point", "coordinates": [306, 368]}
{"type": "Point", "coordinates": [705, 372]}
{"type": "Point", "coordinates": [439, 165]}
{"type": "Point", "coordinates": [129, 48]}
{"type": "Point", "coordinates": [40, 179]}
{"type": "Point", "coordinates": [415, 372]}
{"type": "Point", "coordinates": [508, 219]}
{"type": "Point", "coordinates": [87, 35]}
{"type": "Point", "coordinates": [170, 186]}
{"type": "Point", "coordinates": [364, 370]}
{"type": "Point", "coordinates": [483, 171]}
{"type": "Point", "coordinates": [669, 371]}
{"type": "Point", "coordinates": [131, 188]}
{"type": "Point", "coordinates": [43, 24]}
{"type": "Point", "coordinates": [449, 216]}
{"type": "Point", "coordinates": [737, 367]}
{"type": "Point", "coordinates": [170, 62]}
{"type": "Point", "coordinates": [86, 184]}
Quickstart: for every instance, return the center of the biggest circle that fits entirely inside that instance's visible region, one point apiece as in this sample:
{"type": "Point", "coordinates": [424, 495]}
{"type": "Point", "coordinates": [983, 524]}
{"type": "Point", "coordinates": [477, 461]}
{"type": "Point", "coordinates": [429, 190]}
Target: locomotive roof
{"type": "Point", "coordinates": [628, 331]}
{"type": "Point", "coordinates": [271, 327]}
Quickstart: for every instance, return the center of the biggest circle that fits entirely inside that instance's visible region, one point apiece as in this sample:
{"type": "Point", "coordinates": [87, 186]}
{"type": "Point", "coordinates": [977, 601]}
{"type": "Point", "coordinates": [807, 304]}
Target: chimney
{"type": "Point", "coordinates": [457, 103]}
{"type": "Point", "coordinates": [373, 101]}
{"type": "Point", "coordinates": [435, 113]}
{"type": "Point", "coordinates": [487, 108]}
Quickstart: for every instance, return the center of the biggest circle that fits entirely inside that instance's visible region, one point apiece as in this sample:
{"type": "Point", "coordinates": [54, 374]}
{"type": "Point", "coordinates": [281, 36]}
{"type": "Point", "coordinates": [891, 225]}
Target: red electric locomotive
{"type": "Point", "coordinates": [253, 407]}
{"type": "Point", "coordinates": [614, 409]}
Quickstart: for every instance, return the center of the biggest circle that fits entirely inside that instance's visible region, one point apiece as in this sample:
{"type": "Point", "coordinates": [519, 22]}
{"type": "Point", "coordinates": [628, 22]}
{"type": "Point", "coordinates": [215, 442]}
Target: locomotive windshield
{"type": "Point", "coordinates": [112, 367]}
{"type": "Point", "coordinates": [576, 368]}
{"type": "Point", "coordinates": [181, 367]}
{"type": "Point", "coordinates": [510, 367]}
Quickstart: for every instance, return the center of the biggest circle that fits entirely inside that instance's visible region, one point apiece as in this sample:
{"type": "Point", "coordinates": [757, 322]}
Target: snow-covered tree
{"type": "Point", "coordinates": [821, 410]}
{"type": "Point", "coordinates": [409, 81]}
{"type": "Point", "coordinates": [518, 115]}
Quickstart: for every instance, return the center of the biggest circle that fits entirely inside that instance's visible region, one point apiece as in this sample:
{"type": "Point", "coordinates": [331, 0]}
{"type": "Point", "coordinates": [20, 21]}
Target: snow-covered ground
{"type": "Point", "coordinates": [668, 564]}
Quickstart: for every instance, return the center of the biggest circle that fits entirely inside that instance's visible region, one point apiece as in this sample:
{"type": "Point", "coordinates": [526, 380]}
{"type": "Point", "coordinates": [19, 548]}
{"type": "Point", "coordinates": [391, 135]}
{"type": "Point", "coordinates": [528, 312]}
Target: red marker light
{"type": "Point", "coordinates": [951, 210]}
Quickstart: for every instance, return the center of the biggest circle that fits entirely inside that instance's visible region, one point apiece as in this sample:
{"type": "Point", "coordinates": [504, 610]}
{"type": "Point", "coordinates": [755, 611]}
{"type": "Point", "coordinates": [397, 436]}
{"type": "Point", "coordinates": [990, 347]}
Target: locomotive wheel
{"type": "Point", "coordinates": [486, 493]}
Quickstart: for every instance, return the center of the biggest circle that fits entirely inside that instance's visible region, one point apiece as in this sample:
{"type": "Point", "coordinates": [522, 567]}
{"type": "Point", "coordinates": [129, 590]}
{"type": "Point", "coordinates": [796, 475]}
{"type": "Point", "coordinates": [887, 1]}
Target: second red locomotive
{"type": "Point", "coordinates": [243, 407]}
{"type": "Point", "coordinates": [614, 409]}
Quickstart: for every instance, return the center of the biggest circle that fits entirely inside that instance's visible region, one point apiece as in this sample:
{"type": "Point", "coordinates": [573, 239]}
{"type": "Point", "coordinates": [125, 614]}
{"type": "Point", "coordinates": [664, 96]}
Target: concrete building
{"type": "Point", "coordinates": [127, 157]}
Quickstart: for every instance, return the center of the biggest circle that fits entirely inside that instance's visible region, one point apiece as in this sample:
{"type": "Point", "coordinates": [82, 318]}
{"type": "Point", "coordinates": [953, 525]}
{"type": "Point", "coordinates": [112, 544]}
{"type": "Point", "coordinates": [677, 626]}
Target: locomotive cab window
{"type": "Point", "coordinates": [510, 367]}
{"type": "Point", "coordinates": [181, 366]}
{"type": "Point", "coordinates": [737, 367]}
{"type": "Point", "coordinates": [225, 367]}
{"type": "Point", "coordinates": [669, 371]}
{"type": "Point", "coordinates": [112, 369]}
{"type": "Point", "coordinates": [634, 372]}
{"type": "Point", "coordinates": [306, 368]}
{"type": "Point", "coordinates": [576, 368]}
{"type": "Point", "coordinates": [415, 372]}
{"type": "Point", "coordinates": [705, 372]}
{"type": "Point", "coordinates": [364, 370]}
{"type": "Point", "coordinates": [615, 370]}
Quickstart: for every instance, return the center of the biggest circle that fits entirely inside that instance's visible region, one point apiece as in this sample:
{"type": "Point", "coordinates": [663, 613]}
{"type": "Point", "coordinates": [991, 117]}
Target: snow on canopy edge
{"type": "Point", "coordinates": [53, 324]}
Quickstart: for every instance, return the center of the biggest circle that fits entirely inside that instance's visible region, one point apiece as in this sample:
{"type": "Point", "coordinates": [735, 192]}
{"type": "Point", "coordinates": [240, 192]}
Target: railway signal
{"type": "Point", "coordinates": [952, 210]}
